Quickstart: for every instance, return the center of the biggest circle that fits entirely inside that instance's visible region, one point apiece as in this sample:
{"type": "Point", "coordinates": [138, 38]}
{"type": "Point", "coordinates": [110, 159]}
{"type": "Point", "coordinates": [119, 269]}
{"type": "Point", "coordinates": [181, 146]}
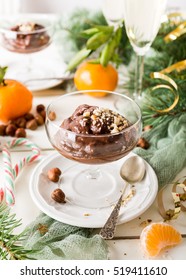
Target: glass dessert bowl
{"type": "Point", "coordinates": [23, 35]}
{"type": "Point", "coordinates": [94, 133]}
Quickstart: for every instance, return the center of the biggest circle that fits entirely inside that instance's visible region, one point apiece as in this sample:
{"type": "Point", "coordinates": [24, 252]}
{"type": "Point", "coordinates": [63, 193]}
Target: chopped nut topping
{"type": "Point", "coordinates": [86, 114]}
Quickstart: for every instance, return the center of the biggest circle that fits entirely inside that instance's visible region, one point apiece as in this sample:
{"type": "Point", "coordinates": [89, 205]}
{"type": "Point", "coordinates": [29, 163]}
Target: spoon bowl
{"type": "Point", "coordinates": [132, 171]}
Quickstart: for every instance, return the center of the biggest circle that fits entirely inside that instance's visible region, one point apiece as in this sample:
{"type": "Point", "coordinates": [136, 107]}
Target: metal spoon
{"type": "Point", "coordinates": [132, 171]}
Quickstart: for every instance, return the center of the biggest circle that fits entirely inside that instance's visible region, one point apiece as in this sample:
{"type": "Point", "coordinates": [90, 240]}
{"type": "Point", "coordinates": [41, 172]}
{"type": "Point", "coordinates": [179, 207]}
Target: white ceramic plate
{"type": "Point", "coordinates": [89, 207]}
{"type": "Point", "coordinates": [43, 68]}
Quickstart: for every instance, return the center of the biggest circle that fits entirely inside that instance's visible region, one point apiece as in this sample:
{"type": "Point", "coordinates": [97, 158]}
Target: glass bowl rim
{"type": "Point", "coordinates": [92, 135]}
{"type": "Point", "coordinates": [51, 20]}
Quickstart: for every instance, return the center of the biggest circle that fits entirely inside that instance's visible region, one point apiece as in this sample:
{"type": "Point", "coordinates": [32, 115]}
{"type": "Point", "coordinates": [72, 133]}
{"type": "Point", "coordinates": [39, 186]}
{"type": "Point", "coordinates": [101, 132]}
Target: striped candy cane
{"type": "Point", "coordinates": [8, 192]}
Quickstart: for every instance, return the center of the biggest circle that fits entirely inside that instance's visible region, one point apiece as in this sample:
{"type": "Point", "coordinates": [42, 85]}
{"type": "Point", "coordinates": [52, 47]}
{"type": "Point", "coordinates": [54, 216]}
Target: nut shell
{"type": "Point", "coordinates": [40, 108]}
{"type": "Point", "coordinates": [2, 130]}
{"type": "Point", "coordinates": [58, 195]}
{"type": "Point", "coordinates": [54, 174]}
{"type": "Point", "coordinates": [143, 143]}
{"type": "Point", "coordinates": [10, 130]}
{"type": "Point", "coordinates": [39, 119]}
{"type": "Point", "coordinates": [32, 124]}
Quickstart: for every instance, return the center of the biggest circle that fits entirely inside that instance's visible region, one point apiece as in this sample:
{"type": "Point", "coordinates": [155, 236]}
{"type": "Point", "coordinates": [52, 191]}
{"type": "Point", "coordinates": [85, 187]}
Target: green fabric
{"type": "Point", "coordinates": [53, 240]}
{"type": "Point", "coordinates": [167, 152]}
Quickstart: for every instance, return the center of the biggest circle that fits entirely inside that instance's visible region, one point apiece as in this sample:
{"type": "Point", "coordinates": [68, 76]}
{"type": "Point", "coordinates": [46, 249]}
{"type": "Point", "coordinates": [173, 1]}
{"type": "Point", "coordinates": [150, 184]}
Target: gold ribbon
{"type": "Point", "coordinates": [177, 199]}
{"type": "Point", "coordinates": [179, 66]}
{"type": "Point", "coordinates": [173, 88]}
{"type": "Point", "coordinates": [173, 35]}
{"type": "Point", "coordinates": [176, 15]}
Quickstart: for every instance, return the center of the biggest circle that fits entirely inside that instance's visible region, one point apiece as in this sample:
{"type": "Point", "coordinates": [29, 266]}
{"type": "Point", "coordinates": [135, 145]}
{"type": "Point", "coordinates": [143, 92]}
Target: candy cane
{"type": "Point", "coordinates": [8, 192]}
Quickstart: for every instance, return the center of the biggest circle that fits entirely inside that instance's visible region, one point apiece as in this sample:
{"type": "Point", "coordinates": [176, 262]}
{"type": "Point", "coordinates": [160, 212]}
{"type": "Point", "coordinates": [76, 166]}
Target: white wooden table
{"type": "Point", "coordinates": [120, 248]}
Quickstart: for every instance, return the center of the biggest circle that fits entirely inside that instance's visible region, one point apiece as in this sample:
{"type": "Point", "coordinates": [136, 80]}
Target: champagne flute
{"type": "Point", "coordinates": [142, 21]}
{"type": "Point", "coordinates": [112, 11]}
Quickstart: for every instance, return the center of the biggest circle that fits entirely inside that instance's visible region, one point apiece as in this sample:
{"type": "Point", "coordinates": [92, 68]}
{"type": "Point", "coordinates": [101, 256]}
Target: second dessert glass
{"type": "Point", "coordinates": [25, 35]}
{"type": "Point", "coordinates": [93, 170]}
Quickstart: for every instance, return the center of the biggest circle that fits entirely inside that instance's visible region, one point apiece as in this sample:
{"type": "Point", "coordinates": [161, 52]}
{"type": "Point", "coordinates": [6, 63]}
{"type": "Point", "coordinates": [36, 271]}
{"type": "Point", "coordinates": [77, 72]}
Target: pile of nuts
{"type": "Point", "coordinates": [17, 127]}
{"type": "Point", "coordinates": [54, 175]}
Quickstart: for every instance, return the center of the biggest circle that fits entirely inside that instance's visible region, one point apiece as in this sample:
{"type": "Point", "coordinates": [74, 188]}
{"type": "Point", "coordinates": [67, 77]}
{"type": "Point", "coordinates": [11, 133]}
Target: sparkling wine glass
{"type": "Point", "coordinates": [142, 21]}
{"type": "Point", "coordinates": [94, 158]}
{"type": "Point", "coordinates": [112, 11]}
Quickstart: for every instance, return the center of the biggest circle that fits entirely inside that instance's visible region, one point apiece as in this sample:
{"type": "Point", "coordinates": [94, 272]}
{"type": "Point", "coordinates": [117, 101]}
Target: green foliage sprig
{"type": "Point", "coordinates": [161, 56]}
{"type": "Point", "coordinates": [10, 243]}
{"type": "Point", "coordinates": [89, 36]}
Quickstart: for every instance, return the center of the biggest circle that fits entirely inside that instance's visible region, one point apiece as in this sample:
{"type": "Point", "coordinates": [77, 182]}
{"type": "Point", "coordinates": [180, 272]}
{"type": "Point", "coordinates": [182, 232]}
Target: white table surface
{"type": "Point", "coordinates": [122, 248]}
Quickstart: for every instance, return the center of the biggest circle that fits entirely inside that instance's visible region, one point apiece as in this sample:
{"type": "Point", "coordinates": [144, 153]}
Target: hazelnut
{"type": "Point", "coordinates": [147, 127]}
{"type": "Point", "coordinates": [32, 124]}
{"type": "Point", "coordinates": [2, 130]}
{"type": "Point", "coordinates": [39, 119]}
{"type": "Point", "coordinates": [29, 117]}
{"type": "Point", "coordinates": [143, 143]}
{"type": "Point", "coordinates": [54, 174]}
{"type": "Point", "coordinates": [40, 108]}
{"type": "Point", "coordinates": [20, 122]}
{"type": "Point", "coordinates": [52, 116]}
{"type": "Point", "coordinates": [10, 130]}
{"type": "Point", "coordinates": [58, 195]}
{"type": "Point", "coordinates": [43, 114]}
{"type": "Point", "coordinates": [20, 132]}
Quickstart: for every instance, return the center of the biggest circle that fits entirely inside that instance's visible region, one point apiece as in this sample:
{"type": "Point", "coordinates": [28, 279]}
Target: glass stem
{"type": "Point", "coordinates": [93, 173]}
{"type": "Point", "coordinates": [139, 75]}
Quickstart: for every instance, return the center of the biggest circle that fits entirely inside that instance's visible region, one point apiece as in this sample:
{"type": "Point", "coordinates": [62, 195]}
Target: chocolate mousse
{"type": "Point", "coordinates": [94, 120]}
{"type": "Point", "coordinates": [29, 37]}
{"type": "Point", "coordinates": [95, 135]}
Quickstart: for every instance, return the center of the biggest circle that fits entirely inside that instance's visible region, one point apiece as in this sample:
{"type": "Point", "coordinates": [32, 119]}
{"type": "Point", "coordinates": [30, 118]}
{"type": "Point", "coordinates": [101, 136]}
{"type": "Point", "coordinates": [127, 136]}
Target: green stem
{"type": "Point", "coordinates": [2, 75]}
{"type": "Point", "coordinates": [4, 248]}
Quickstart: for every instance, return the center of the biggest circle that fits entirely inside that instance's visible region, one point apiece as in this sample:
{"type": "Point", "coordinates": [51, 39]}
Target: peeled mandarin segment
{"type": "Point", "coordinates": [158, 236]}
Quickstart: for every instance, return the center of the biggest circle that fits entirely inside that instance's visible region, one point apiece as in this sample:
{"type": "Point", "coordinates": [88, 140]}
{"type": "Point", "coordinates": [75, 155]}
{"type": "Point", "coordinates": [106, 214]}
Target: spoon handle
{"type": "Point", "coordinates": [62, 78]}
{"type": "Point", "coordinates": [108, 230]}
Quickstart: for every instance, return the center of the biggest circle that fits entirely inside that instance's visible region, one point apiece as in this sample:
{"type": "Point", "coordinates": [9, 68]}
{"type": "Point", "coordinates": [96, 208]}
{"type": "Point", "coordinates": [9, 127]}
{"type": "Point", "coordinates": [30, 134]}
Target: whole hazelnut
{"type": "Point", "coordinates": [29, 117]}
{"type": "Point", "coordinates": [52, 116]}
{"type": "Point", "coordinates": [143, 143]}
{"type": "Point", "coordinates": [54, 174]}
{"type": "Point", "coordinates": [58, 195]}
{"type": "Point", "coordinates": [40, 108]}
{"type": "Point", "coordinates": [20, 122]}
{"type": "Point", "coordinates": [43, 114]}
{"type": "Point", "coordinates": [20, 132]}
{"type": "Point", "coordinates": [39, 119]}
{"type": "Point", "coordinates": [32, 125]}
{"type": "Point", "coordinates": [10, 130]}
{"type": "Point", "coordinates": [2, 130]}
{"type": "Point", "coordinates": [147, 127]}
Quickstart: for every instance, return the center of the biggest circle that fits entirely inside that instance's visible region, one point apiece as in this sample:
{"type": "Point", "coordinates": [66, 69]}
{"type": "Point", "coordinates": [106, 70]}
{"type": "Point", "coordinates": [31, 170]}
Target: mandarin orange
{"type": "Point", "coordinates": [15, 100]}
{"type": "Point", "coordinates": [94, 76]}
{"type": "Point", "coordinates": [157, 237]}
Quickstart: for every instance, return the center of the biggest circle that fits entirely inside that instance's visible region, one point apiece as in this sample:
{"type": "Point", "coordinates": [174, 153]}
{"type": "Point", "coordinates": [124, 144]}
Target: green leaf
{"type": "Point", "coordinates": [89, 32]}
{"type": "Point", "coordinates": [97, 40]}
{"type": "Point", "coordinates": [109, 49]}
{"type": "Point", "coordinates": [103, 28]}
{"type": "Point", "coordinates": [78, 58]}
